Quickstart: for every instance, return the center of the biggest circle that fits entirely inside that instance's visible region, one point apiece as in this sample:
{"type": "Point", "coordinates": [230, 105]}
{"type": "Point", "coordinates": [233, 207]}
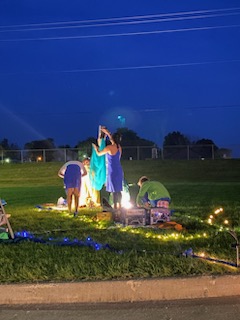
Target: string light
{"type": "Point", "coordinates": [150, 234]}
{"type": "Point", "coordinates": [88, 242]}
{"type": "Point", "coordinates": [211, 218]}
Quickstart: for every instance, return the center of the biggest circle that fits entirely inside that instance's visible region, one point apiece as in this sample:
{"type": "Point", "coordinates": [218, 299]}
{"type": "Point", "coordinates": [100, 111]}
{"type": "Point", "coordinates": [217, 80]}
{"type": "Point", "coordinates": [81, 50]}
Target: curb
{"type": "Point", "coordinates": [121, 291]}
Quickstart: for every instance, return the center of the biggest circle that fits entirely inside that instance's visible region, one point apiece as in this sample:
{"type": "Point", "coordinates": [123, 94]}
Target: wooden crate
{"type": "Point", "coordinates": [104, 216]}
{"type": "Point", "coordinates": [134, 216]}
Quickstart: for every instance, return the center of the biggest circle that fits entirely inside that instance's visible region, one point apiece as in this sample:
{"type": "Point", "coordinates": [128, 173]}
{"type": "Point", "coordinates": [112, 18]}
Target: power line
{"type": "Point", "coordinates": [143, 110]}
{"type": "Point", "coordinates": [120, 23]}
{"type": "Point", "coordinates": [154, 109]}
{"type": "Point", "coordinates": [123, 34]}
{"type": "Point", "coordinates": [129, 68]}
{"type": "Point", "coordinates": [125, 18]}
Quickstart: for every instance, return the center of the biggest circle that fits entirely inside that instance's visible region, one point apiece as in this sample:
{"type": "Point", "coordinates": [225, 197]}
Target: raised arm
{"type": "Point", "coordinates": [108, 134]}
{"type": "Point", "coordinates": [102, 152]}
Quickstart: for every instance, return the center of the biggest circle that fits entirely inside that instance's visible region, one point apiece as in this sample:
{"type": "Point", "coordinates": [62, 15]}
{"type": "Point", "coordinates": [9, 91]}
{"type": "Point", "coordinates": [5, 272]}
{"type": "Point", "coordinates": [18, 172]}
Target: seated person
{"type": "Point", "coordinates": [152, 194]}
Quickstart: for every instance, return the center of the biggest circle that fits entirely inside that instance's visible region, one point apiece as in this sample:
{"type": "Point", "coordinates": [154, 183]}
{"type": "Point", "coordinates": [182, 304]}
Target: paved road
{"type": "Point", "coordinates": [197, 309]}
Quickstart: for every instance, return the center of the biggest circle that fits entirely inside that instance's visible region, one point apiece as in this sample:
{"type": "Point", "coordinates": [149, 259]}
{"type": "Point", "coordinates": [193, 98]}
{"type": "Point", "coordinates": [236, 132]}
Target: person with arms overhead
{"type": "Point", "coordinates": [97, 170]}
{"type": "Point", "coordinates": [113, 152]}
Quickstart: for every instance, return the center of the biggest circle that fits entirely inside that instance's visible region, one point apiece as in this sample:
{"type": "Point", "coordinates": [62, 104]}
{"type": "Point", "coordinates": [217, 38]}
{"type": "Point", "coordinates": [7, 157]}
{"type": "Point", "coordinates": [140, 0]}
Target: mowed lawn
{"type": "Point", "coordinates": [82, 248]}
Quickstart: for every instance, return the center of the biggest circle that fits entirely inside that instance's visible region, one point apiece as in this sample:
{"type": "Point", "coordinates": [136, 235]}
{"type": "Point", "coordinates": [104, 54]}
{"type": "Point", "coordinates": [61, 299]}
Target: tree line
{"type": "Point", "coordinates": [129, 139]}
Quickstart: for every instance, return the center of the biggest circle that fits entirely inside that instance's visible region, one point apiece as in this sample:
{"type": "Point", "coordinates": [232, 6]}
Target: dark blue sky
{"type": "Point", "coordinates": [68, 66]}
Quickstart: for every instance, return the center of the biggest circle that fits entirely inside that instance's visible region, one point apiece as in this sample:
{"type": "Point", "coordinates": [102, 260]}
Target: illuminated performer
{"type": "Point", "coordinates": [72, 173]}
{"type": "Point", "coordinates": [152, 194]}
{"type": "Point", "coordinates": [113, 152]}
{"type": "Point", "coordinates": [85, 198]}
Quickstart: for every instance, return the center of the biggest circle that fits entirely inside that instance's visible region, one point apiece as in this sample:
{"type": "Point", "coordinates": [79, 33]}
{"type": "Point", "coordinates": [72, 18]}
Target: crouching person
{"type": "Point", "coordinates": [152, 194]}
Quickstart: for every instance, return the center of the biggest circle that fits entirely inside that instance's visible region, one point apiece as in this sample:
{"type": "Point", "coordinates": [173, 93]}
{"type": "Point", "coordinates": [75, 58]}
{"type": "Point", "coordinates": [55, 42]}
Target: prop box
{"type": "Point", "coordinates": [159, 215]}
{"type": "Point", "coordinates": [134, 216]}
{"type": "Point", "coordinates": [104, 216]}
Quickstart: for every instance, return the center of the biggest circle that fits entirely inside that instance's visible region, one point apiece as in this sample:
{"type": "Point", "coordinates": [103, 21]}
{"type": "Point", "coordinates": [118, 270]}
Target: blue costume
{"type": "Point", "coordinates": [71, 172]}
{"type": "Point", "coordinates": [114, 173]}
{"type": "Point", "coordinates": [72, 176]}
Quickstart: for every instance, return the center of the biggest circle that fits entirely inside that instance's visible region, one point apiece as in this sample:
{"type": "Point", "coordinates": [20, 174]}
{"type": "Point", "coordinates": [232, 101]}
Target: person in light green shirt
{"type": "Point", "coordinates": [152, 194]}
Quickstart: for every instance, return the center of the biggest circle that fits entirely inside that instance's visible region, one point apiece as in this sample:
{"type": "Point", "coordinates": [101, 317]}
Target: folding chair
{"type": "Point", "coordinates": [4, 219]}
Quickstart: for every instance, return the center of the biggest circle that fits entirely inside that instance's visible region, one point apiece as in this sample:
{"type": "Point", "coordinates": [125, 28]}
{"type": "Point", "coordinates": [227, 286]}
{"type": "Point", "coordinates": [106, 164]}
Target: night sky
{"type": "Point", "coordinates": [67, 66]}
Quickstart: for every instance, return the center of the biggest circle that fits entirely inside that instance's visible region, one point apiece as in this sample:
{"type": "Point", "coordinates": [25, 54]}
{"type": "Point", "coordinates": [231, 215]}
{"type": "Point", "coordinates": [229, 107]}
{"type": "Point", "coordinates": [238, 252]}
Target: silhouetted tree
{"type": "Point", "coordinates": [130, 138]}
{"type": "Point", "coordinates": [40, 145]}
{"type": "Point", "coordinates": [205, 142]}
{"type": "Point", "coordinates": [9, 150]}
{"type": "Point", "coordinates": [175, 138]}
{"type": "Point", "coordinates": [5, 145]}
{"type": "Point", "coordinates": [64, 146]}
{"type": "Point", "coordinates": [206, 148]}
{"type": "Point", "coordinates": [85, 147]}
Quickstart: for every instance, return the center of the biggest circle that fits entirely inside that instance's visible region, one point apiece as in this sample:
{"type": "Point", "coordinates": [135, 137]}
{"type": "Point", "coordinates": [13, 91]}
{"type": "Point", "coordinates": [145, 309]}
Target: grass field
{"type": "Point", "coordinates": [197, 188]}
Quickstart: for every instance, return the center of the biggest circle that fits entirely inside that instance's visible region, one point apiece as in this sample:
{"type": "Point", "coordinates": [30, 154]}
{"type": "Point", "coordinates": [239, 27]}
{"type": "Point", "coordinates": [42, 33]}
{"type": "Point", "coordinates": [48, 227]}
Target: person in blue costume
{"type": "Point", "coordinates": [72, 173]}
{"type": "Point", "coordinates": [113, 152]}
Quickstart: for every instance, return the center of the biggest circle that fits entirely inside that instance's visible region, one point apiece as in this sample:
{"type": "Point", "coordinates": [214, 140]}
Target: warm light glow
{"type": "Point", "coordinates": [125, 203]}
{"type": "Point", "coordinates": [211, 217]}
{"type": "Point", "coordinates": [218, 210]}
{"type": "Point", "coordinates": [226, 222]}
{"type": "Point", "coordinates": [39, 159]}
{"type": "Point", "coordinates": [73, 203]}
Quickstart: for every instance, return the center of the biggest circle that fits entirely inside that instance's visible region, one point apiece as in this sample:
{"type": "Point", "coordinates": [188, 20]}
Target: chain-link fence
{"type": "Point", "coordinates": [184, 152]}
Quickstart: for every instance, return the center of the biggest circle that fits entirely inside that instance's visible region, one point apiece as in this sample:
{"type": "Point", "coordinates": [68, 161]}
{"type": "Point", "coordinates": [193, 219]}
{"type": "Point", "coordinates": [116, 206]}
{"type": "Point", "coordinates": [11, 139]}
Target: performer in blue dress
{"type": "Point", "coordinates": [113, 152]}
{"type": "Point", "coordinates": [72, 173]}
